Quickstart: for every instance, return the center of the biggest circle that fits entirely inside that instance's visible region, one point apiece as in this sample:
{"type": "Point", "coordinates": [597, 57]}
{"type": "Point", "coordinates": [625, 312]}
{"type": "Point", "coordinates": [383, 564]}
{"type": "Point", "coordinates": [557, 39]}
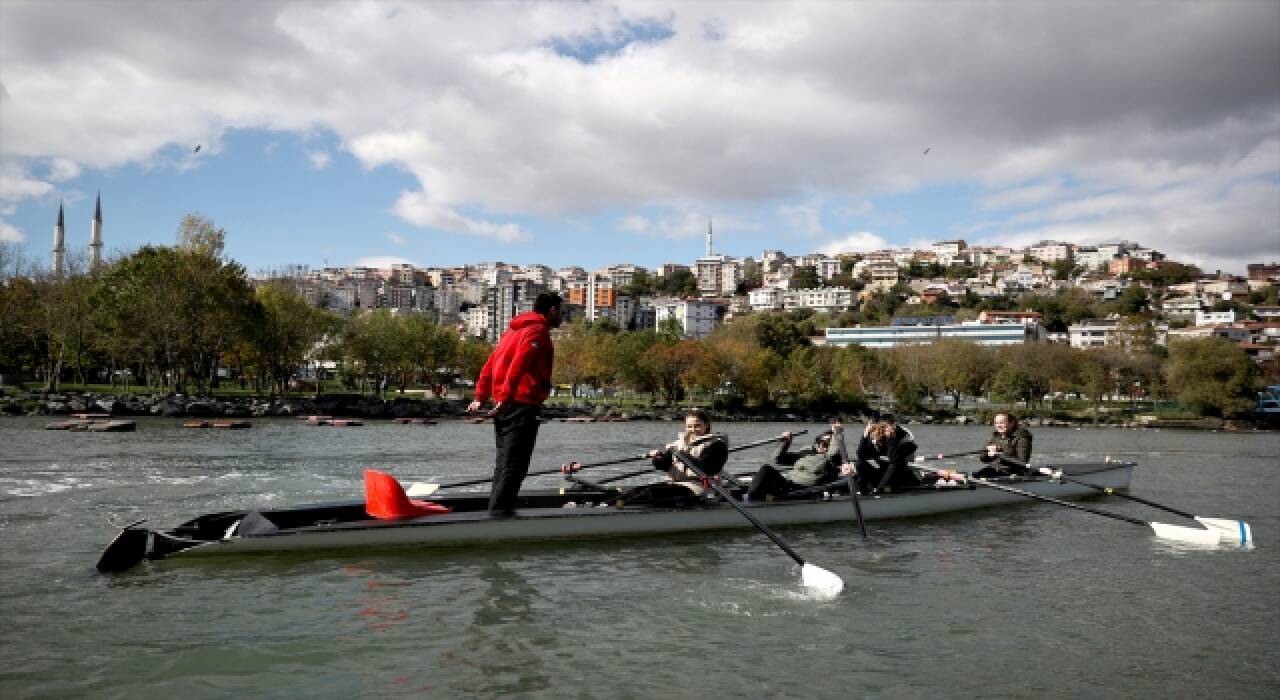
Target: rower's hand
{"type": "Point", "coordinates": [837, 428]}
{"type": "Point", "coordinates": [571, 467]}
{"type": "Point", "coordinates": [787, 435]}
{"type": "Point", "coordinates": [993, 450]}
{"type": "Point", "coordinates": [847, 469]}
{"type": "Point", "coordinates": [474, 406]}
{"type": "Point", "coordinates": [499, 408]}
{"type": "Point", "coordinates": [866, 432]}
{"type": "Point", "coordinates": [654, 454]}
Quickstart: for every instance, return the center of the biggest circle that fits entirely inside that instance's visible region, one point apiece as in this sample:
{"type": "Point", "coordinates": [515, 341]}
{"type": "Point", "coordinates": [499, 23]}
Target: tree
{"type": "Point", "coordinates": [956, 367]}
{"type": "Point", "coordinates": [286, 331]}
{"type": "Point", "coordinates": [805, 277]}
{"type": "Point", "coordinates": [1212, 375]}
{"type": "Point", "coordinates": [198, 234]}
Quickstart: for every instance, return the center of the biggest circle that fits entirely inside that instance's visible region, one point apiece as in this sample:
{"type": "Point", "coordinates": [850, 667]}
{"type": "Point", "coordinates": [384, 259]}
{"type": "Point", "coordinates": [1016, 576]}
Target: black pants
{"type": "Point", "coordinates": [768, 481]}
{"type": "Point", "coordinates": [514, 435]}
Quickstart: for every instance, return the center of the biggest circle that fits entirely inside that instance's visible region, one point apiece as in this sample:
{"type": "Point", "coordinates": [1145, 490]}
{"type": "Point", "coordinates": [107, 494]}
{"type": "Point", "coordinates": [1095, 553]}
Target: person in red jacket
{"type": "Point", "coordinates": [517, 376]}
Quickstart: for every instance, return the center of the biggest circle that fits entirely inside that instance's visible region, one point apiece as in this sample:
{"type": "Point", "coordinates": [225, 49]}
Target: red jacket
{"type": "Point", "coordinates": [519, 370]}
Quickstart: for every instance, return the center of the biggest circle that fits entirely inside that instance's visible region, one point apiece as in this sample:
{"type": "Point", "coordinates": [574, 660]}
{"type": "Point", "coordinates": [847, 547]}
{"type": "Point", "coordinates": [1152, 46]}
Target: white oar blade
{"type": "Point", "coordinates": [822, 581]}
{"type": "Point", "coordinates": [1231, 531]}
{"type": "Point", "coordinates": [1190, 535]}
{"type": "Point", "coordinates": [421, 490]}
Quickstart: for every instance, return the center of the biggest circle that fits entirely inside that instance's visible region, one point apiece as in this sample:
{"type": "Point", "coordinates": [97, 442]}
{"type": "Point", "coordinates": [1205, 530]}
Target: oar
{"type": "Point", "coordinates": [1230, 531]}
{"type": "Point", "coordinates": [421, 490]}
{"type": "Point", "coordinates": [933, 458]}
{"type": "Point", "coordinates": [853, 487]}
{"type": "Point", "coordinates": [726, 476]}
{"type": "Point", "coordinates": [1162, 530]}
{"type": "Point", "coordinates": [811, 575]}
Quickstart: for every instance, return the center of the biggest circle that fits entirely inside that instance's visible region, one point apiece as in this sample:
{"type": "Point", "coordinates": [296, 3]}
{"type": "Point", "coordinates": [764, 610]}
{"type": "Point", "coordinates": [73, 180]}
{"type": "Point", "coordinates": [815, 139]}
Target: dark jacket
{"type": "Point", "coordinates": [885, 465]}
{"type": "Point", "coordinates": [1015, 446]}
{"type": "Point", "coordinates": [519, 369]}
{"type": "Point", "coordinates": [808, 466]}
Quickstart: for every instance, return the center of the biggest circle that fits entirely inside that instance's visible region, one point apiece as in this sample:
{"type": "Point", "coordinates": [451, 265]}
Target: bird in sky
{"type": "Point", "coordinates": [926, 151]}
{"type": "Point", "coordinates": [196, 149]}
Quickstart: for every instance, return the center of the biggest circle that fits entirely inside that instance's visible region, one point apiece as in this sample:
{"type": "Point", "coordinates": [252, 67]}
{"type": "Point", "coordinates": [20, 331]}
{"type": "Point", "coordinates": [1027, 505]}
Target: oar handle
{"type": "Point", "coordinates": [624, 460]}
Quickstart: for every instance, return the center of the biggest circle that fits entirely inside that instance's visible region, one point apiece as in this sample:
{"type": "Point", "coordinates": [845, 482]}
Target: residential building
{"type": "Point", "coordinates": [1050, 251]}
{"type": "Point", "coordinates": [822, 300]}
{"type": "Point", "coordinates": [697, 317]}
{"type": "Point", "coordinates": [894, 336]}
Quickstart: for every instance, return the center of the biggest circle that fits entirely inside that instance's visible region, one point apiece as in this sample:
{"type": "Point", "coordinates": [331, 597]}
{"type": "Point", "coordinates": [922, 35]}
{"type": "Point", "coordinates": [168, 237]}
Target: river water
{"type": "Point", "coordinates": [1021, 601]}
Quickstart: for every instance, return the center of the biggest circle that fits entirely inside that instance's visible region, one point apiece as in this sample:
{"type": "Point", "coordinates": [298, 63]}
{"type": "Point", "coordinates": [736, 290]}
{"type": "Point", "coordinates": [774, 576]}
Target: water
{"type": "Point", "coordinates": [1027, 601]}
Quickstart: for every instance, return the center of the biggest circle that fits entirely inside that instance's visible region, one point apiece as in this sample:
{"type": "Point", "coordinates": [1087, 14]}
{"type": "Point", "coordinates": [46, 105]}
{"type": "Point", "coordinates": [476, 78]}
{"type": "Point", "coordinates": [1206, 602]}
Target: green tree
{"type": "Point", "coordinates": [805, 277]}
{"type": "Point", "coordinates": [286, 332]}
{"type": "Point", "coordinates": [1212, 375]}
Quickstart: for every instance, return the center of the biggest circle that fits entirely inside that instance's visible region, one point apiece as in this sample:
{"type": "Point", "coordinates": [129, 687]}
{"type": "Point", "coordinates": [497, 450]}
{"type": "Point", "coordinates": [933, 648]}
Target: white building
{"type": "Point", "coordinates": [697, 318]}
{"type": "Point", "coordinates": [822, 300]}
{"type": "Point", "coordinates": [1050, 251]}
{"type": "Point", "coordinates": [1215, 318]}
{"type": "Point", "coordinates": [765, 299]}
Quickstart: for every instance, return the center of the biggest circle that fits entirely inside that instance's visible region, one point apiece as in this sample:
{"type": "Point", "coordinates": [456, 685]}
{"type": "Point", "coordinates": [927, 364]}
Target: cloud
{"type": "Point", "coordinates": [861, 242]}
{"type": "Point", "coordinates": [319, 159]}
{"type": "Point", "coordinates": [804, 219]}
{"type": "Point", "coordinates": [11, 234]}
{"type": "Point", "coordinates": [542, 109]}
{"type": "Point", "coordinates": [396, 238]}
{"type": "Point", "coordinates": [420, 209]}
{"type": "Point", "coordinates": [382, 262]}
{"type": "Point", "coordinates": [633, 223]}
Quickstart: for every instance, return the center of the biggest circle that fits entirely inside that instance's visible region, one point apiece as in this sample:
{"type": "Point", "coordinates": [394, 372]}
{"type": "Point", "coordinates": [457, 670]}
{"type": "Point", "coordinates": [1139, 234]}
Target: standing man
{"type": "Point", "coordinates": [518, 377]}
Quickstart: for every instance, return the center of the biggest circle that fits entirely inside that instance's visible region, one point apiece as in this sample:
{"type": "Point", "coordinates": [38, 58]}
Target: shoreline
{"type": "Point", "coordinates": [401, 407]}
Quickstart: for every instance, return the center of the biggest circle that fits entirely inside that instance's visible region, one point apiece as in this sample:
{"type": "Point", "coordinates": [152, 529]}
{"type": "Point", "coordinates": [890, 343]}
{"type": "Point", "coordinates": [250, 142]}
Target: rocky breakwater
{"type": "Point", "coordinates": [183, 406]}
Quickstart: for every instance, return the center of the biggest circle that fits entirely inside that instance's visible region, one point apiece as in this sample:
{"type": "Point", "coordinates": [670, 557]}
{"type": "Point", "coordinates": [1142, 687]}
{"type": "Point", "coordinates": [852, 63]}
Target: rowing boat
{"type": "Point", "coordinates": [549, 515]}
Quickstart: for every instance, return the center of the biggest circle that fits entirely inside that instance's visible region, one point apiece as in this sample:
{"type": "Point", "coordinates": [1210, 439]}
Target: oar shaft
{"type": "Point", "coordinates": [689, 464]}
{"type": "Point", "coordinates": [1105, 489]}
{"type": "Point", "coordinates": [1047, 499]}
{"type": "Point", "coordinates": [853, 487]}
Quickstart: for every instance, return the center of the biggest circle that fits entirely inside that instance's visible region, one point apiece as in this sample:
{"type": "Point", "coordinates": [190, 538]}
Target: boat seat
{"type": "Point", "coordinates": [384, 498]}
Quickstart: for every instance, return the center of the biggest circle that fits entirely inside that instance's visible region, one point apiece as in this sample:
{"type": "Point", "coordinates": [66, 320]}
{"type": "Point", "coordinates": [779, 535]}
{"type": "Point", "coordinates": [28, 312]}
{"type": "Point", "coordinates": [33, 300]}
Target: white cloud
{"type": "Point", "coordinates": [319, 159]}
{"type": "Point", "coordinates": [396, 238]}
{"type": "Point", "coordinates": [860, 242]}
{"type": "Point", "coordinates": [11, 234]}
{"type": "Point", "coordinates": [633, 223]}
{"type": "Point", "coordinates": [804, 219]}
{"type": "Point", "coordinates": [764, 103]}
{"type": "Point", "coordinates": [420, 209]}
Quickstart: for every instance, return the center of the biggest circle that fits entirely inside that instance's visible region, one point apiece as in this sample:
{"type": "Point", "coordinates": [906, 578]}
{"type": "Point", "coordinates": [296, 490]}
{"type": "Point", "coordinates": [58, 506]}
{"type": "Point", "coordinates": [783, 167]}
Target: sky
{"type": "Point", "coordinates": [594, 133]}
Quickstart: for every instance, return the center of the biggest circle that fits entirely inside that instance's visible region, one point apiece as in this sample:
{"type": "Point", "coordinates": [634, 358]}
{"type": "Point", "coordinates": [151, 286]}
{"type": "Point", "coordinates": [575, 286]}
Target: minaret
{"type": "Point", "coordinates": [708, 236]}
{"type": "Point", "coordinates": [95, 237]}
{"type": "Point", "coordinates": [59, 244]}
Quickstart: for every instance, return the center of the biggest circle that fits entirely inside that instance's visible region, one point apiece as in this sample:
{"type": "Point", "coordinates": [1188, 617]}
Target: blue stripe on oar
{"type": "Point", "coordinates": [1244, 536]}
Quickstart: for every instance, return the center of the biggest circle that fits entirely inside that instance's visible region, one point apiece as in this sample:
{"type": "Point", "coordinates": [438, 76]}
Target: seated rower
{"type": "Point", "coordinates": [1008, 448]}
{"type": "Point", "coordinates": [708, 450]}
{"type": "Point", "coordinates": [882, 457]}
{"type": "Point", "coordinates": [809, 467]}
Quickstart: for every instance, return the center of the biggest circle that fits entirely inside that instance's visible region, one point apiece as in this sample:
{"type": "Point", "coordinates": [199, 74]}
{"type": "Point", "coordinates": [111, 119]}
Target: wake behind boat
{"type": "Point", "coordinates": [463, 519]}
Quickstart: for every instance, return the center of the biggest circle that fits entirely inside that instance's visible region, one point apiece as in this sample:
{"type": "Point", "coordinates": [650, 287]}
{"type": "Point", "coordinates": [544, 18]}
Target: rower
{"type": "Point", "coordinates": [1008, 448]}
{"type": "Point", "coordinates": [680, 486]}
{"type": "Point", "coordinates": [882, 456]}
{"type": "Point", "coordinates": [810, 467]}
